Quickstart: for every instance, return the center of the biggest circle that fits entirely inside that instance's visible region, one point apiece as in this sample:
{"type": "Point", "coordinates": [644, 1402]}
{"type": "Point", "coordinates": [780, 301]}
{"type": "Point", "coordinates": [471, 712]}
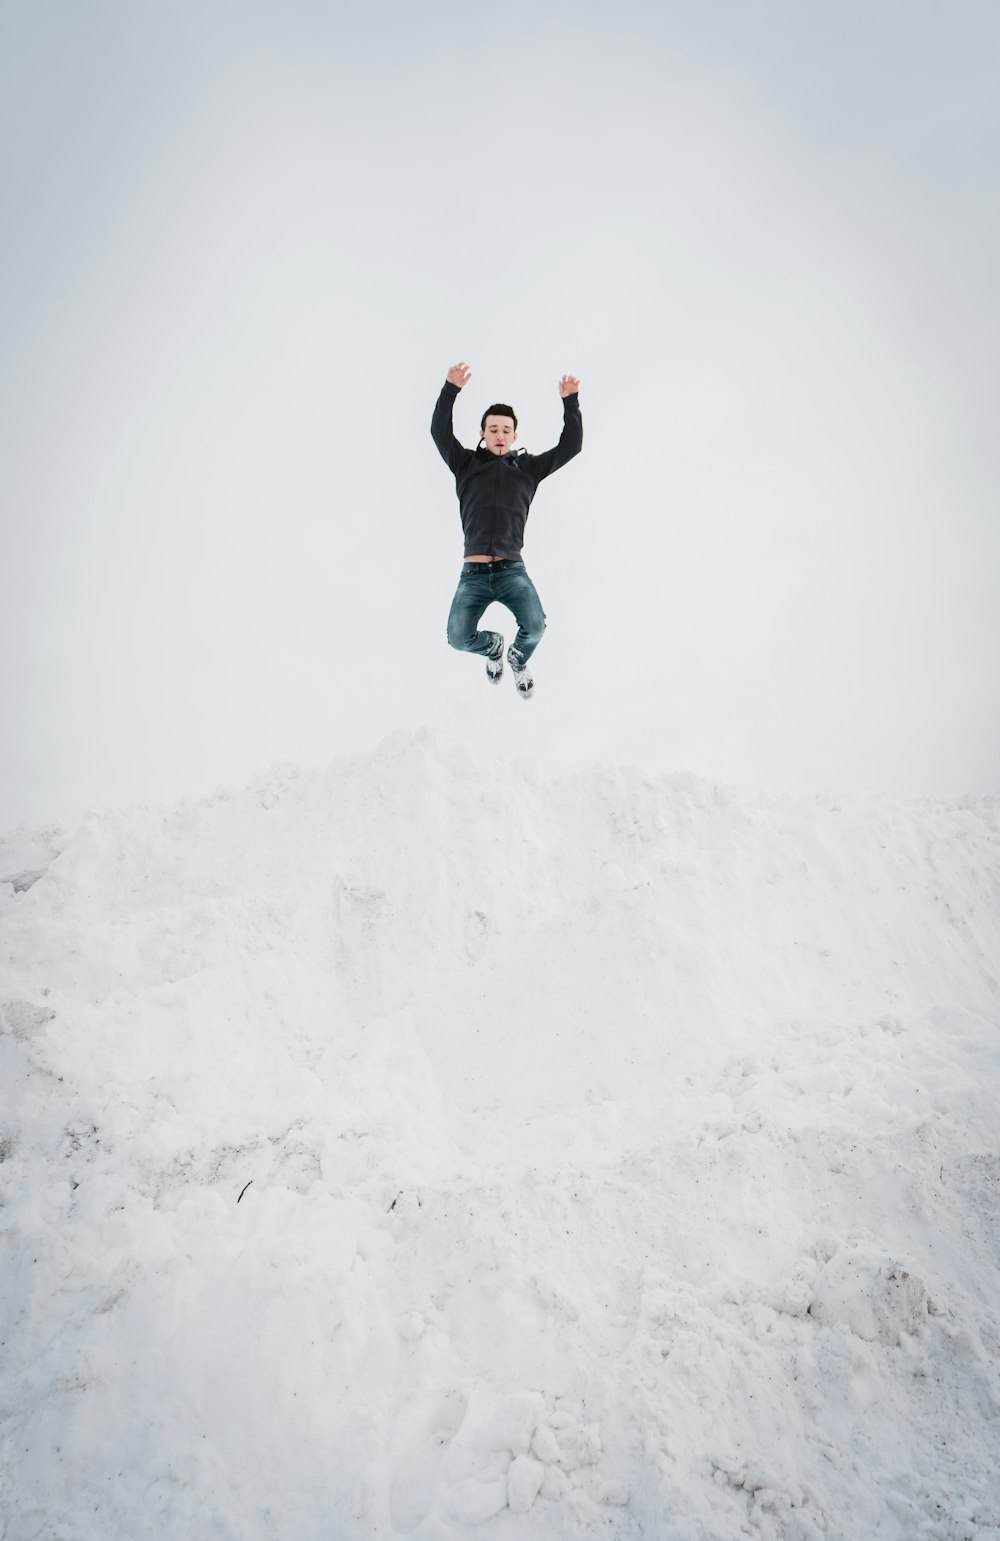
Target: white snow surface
{"type": "Point", "coordinates": [445, 1146]}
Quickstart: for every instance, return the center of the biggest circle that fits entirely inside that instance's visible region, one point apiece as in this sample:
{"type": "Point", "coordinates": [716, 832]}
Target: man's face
{"type": "Point", "coordinates": [499, 434]}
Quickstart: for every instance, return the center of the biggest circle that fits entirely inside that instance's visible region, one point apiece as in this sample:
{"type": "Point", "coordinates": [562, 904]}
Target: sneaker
{"type": "Point", "coordinates": [494, 659]}
{"type": "Point", "coordinates": [523, 683]}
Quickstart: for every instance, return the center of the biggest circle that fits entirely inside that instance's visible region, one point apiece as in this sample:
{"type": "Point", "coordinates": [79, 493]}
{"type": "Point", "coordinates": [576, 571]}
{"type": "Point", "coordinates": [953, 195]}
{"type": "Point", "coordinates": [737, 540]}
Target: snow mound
{"type": "Point", "coordinates": [448, 1149]}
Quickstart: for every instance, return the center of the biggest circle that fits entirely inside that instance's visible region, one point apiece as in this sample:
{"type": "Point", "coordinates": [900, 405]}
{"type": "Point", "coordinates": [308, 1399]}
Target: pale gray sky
{"type": "Point", "coordinates": [244, 242]}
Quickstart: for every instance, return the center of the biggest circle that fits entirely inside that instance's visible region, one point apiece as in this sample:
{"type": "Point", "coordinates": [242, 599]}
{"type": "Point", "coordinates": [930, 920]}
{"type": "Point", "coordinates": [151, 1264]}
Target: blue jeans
{"type": "Point", "coordinates": [506, 582]}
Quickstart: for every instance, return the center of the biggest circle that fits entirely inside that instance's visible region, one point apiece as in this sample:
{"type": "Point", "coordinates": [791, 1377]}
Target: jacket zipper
{"type": "Point", "coordinates": [493, 510]}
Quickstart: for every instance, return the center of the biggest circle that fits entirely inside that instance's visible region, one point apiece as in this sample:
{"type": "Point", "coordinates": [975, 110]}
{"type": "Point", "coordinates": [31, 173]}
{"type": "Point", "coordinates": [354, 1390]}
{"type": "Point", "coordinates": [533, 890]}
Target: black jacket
{"type": "Point", "coordinates": [495, 491]}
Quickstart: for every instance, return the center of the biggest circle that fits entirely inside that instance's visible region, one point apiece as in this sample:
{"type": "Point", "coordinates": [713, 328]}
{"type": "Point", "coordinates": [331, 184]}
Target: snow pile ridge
{"type": "Point", "coordinates": [444, 1148]}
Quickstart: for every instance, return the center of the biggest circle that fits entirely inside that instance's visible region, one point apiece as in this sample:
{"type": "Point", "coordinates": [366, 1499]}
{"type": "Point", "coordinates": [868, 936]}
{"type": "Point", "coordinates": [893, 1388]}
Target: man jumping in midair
{"type": "Point", "coordinates": [495, 485]}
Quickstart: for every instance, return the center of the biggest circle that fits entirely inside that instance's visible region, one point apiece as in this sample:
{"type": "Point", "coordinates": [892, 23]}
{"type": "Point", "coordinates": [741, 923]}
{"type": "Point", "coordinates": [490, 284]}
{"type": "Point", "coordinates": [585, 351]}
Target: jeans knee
{"type": "Point", "coordinates": [460, 637]}
{"type": "Point", "coordinates": [534, 632]}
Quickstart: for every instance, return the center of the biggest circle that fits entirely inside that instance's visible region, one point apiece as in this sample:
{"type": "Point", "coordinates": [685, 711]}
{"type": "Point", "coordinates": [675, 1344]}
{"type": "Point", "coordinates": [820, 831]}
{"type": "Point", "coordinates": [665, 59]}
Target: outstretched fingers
{"type": "Point", "coordinates": [459, 374]}
{"type": "Point", "coordinates": [569, 385]}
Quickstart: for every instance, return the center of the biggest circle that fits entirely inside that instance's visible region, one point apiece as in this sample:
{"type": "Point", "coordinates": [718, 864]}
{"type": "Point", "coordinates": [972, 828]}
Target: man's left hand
{"type": "Point", "coordinates": [569, 385]}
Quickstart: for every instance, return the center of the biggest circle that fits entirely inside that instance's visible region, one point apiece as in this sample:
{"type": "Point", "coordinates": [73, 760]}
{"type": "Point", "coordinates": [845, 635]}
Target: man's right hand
{"type": "Point", "coordinates": [459, 374]}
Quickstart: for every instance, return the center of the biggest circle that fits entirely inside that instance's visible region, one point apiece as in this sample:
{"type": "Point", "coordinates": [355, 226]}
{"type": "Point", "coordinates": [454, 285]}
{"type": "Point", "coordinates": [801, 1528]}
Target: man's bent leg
{"type": "Point", "coordinates": [473, 595]}
{"type": "Point", "coordinates": [515, 589]}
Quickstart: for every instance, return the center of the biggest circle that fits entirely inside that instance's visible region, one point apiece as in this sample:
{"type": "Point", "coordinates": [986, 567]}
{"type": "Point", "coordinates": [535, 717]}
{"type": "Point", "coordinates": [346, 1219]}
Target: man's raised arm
{"type": "Point", "coordinates": [571, 438]}
{"type": "Point", "coordinates": [442, 432]}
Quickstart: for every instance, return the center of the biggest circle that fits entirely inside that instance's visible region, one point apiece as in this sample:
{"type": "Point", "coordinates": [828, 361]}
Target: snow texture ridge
{"type": "Point", "coordinates": [455, 1150]}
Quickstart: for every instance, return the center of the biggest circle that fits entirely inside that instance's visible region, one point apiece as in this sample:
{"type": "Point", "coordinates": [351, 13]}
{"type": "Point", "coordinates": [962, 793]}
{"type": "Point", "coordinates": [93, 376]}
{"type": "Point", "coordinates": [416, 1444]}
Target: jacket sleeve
{"type": "Point", "coordinates": [570, 440]}
{"type": "Point", "coordinates": [453, 454]}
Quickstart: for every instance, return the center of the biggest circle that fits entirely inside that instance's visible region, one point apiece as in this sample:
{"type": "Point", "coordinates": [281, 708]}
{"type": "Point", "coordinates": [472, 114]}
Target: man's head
{"type": "Point", "coordinates": [499, 428]}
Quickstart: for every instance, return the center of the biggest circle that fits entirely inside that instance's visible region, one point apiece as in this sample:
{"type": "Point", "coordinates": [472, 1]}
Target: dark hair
{"type": "Point", "coordinates": [498, 409]}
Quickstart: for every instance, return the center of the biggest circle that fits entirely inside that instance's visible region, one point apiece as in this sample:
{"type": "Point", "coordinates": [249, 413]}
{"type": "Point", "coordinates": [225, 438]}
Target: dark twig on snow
{"type": "Point", "coordinates": [244, 1189]}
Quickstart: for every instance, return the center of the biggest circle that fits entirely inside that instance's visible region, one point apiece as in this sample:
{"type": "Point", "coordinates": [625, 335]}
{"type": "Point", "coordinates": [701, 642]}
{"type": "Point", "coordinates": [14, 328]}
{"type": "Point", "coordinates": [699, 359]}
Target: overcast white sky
{"type": "Point", "coordinates": [242, 244]}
